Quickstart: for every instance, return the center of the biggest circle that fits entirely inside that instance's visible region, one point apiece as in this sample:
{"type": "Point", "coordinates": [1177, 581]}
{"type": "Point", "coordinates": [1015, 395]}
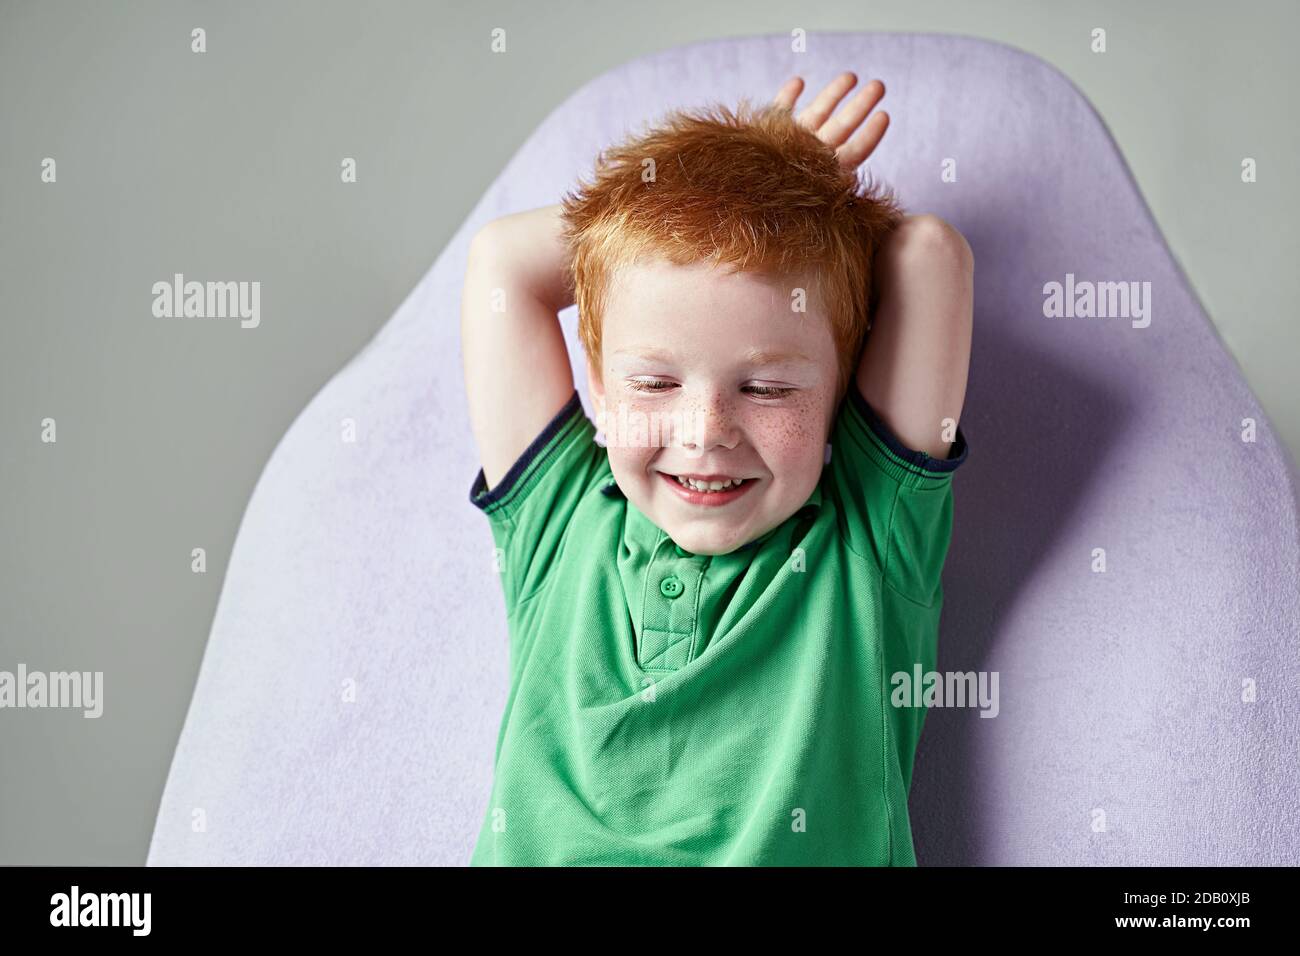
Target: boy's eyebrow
{"type": "Point", "coordinates": [754, 356]}
{"type": "Point", "coordinates": [762, 357]}
{"type": "Point", "coordinates": [646, 353]}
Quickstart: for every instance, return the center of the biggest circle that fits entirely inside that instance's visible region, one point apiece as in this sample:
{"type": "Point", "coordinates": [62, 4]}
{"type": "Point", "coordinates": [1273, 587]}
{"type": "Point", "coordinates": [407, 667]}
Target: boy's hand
{"type": "Point", "coordinates": [835, 131]}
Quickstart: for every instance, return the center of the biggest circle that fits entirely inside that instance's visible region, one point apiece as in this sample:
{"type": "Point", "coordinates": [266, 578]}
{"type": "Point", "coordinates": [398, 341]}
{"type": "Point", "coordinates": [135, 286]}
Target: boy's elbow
{"type": "Point", "coordinates": [935, 241]}
{"type": "Point", "coordinates": [486, 240]}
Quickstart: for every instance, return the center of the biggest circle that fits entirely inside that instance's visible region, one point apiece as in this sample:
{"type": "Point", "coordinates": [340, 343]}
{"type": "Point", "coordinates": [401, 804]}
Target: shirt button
{"type": "Point", "coordinates": [671, 587]}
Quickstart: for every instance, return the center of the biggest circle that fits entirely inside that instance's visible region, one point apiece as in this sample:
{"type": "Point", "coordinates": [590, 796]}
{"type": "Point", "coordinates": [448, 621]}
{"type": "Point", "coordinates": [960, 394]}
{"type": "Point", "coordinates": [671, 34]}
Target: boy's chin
{"type": "Point", "coordinates": [698, 538]}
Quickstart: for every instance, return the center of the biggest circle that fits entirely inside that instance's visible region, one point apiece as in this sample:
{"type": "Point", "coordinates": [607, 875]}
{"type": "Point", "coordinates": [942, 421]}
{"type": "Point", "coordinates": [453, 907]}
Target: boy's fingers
{"type": "Point", "coordinates": [840, 126]}
{"type": "Point", "coordinates": [814, 115]}
{"type": "Point", "coordinates": [788, 93]}
{"type": "Point", "coordinates": [864, 142]}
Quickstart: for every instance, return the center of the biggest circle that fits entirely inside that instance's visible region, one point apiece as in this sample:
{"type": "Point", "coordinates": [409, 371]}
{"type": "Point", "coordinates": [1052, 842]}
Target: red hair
{"type": "Point", "coordinates": [753, 189]}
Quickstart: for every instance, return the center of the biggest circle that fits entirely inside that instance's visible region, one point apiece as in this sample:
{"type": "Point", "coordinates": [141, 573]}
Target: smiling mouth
{"type": "Point", "coordinates": [709, 484]}
{"type": "Point", "coordinates": [707, 489]}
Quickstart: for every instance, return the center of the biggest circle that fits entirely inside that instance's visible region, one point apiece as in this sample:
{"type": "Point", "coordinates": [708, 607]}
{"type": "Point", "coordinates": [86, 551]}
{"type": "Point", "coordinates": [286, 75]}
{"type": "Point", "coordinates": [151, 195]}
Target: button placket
{"type": "Point", "coordinates": [669, 613]}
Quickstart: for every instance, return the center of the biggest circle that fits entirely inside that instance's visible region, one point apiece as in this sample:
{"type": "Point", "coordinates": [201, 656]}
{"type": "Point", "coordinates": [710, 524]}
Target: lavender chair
{"type": "Point", "coordinates": [349, 699]}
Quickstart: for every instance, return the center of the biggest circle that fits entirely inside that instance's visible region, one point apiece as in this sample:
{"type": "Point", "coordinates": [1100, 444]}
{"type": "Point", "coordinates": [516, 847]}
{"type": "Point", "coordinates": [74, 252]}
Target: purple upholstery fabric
{"type": "Point", "coordinates": [1122, 735]}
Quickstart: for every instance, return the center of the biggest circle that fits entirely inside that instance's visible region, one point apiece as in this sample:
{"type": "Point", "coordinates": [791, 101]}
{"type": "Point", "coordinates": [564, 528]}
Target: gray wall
{"type": "Point", "coordinates": [227, 165]}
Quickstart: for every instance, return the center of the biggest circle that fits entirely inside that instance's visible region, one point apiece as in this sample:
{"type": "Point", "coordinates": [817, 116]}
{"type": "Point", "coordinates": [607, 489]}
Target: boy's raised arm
{"type": "Point", "coordinates": [516, 364]}
{"type": "Point", "coordinates": [914, 365]}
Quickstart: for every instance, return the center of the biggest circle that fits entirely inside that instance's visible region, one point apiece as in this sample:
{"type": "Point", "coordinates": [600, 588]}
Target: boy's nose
{"type": "Point", "coordinates": [711, 424]}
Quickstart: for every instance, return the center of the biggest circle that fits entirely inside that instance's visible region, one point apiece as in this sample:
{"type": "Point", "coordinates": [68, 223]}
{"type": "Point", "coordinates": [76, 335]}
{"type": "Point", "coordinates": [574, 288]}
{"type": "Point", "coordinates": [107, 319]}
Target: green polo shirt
{"type": "Point", "coordinates": [667, 708]}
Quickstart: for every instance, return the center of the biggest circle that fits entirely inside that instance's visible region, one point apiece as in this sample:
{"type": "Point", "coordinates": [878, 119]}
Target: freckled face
{"type": "Point", "coordinates": [712, 374]}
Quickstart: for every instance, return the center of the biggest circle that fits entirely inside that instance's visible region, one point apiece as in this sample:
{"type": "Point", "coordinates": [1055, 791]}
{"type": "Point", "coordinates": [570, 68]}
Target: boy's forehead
{"type": "Point", "coordinates": [758, 354]}
{"type": "Point", "coordinates": [661, 291]}
{"type": "Point", "coordinates": [661, 311]}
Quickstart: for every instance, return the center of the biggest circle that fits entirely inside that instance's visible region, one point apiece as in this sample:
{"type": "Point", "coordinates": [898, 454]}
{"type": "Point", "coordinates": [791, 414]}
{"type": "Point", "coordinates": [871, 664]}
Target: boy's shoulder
{"type": "Point", "coordinates": [893, 503]}
{"type": "Point", "coordinates": [564, 455]}
{"type": "Point", "coordinates": [555, 481]}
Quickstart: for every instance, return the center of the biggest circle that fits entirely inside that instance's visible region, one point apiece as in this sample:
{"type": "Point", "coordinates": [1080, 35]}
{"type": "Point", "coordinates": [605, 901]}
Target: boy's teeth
{"type": "Point", "coordinates": [708, 485]}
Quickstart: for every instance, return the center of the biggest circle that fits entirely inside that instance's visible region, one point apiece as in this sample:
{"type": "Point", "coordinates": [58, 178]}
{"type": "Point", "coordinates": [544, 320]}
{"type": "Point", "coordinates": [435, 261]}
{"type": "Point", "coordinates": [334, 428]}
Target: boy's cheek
{"type": "Point", "coordinates": [631, 464]}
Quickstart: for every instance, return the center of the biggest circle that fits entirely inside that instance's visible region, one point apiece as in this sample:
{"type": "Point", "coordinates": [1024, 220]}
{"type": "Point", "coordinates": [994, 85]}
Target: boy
{"type": "Point", "coordinates": [705, 612]}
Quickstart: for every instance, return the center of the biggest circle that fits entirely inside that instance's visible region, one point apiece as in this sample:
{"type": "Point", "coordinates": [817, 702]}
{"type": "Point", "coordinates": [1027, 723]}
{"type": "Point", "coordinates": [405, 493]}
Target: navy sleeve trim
{"type": "Point", "coordinates": [956, 454]}
{"type": "Point", "coordinates": [482, 499]}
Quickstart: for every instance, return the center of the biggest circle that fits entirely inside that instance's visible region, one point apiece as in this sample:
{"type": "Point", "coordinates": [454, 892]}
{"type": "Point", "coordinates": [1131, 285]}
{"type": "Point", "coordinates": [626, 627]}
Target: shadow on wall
{"type": "Point", "coordinates": [1024, 481]}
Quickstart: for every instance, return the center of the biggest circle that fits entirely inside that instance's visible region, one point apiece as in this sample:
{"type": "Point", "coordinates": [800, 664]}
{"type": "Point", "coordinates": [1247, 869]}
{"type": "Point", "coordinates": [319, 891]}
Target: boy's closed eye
{"type": "Point", "coordinates": [758, 390]}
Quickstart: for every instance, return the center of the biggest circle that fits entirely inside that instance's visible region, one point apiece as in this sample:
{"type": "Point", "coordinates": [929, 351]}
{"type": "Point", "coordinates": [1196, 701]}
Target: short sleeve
{"type": "Point", "coordinates": [896, 502]}
{"type": "Point", "coordinates": [530, 509]}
